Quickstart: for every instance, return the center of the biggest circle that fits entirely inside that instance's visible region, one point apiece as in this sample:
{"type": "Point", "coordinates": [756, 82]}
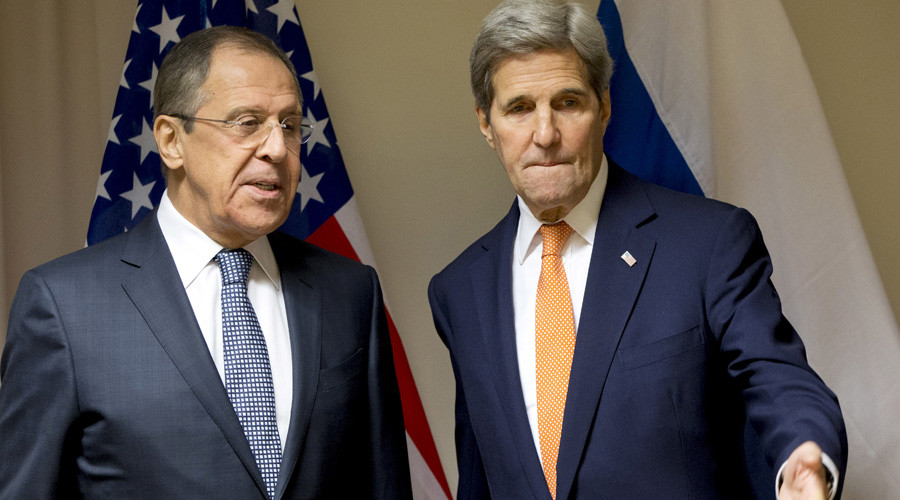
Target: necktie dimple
{"type": "Point", "coordinates": [554, 346]}
{"type": "Point", "coordinates": [248, 374]}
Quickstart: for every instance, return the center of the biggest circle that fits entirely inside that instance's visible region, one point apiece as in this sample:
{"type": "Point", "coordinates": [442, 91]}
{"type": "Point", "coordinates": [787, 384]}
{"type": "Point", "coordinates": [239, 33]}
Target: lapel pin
{"type": "Point", "coordinates": [628, 259]}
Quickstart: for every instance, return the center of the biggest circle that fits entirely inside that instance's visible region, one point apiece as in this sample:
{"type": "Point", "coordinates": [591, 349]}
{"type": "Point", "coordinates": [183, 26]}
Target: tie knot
{"type": "Point", "coordinates": [234, 265]}
{"type": "Point", "coordinates": [554, 237]}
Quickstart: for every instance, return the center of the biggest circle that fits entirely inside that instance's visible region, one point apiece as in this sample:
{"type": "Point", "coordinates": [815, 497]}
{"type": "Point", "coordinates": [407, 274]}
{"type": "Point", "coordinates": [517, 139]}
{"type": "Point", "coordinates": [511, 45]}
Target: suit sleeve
{"type": "Point", "coordinates": [38, 398]}
{"type": "Point", "coordinates": [786, 401]}
{"type": "Point", "coordinates": [472, 478]}
{"type": "Point", "coordinates": [390, 474]}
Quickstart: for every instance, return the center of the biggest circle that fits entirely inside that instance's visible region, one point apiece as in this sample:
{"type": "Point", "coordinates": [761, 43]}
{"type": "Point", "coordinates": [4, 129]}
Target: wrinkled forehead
{"type": "Point", "coordinates": [544, 68]}
{"type": "Point", "coordinates": [240, 64]}
{"type": "Point", "coordinates": [236, 74]}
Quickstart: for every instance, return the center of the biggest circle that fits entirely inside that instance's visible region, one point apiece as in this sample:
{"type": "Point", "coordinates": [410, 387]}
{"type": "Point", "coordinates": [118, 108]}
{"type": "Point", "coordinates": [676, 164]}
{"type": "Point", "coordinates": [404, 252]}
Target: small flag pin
{"type": "Point", "coordinates": [628, 259]}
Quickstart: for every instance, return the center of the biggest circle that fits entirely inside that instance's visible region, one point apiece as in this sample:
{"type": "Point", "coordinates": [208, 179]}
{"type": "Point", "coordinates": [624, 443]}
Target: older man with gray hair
{"type": "Point", "coordinates": [203, 354]}
{"type": "Point", "coordinates": [611, 338]}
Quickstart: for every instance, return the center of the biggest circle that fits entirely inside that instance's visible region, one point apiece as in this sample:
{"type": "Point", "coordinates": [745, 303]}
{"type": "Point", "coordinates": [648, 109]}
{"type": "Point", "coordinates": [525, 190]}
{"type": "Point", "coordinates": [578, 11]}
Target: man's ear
{"type": "Point", "coordinates": [169, 135]}
{"type": "Point", "coordinates": [485, 126]}
{"type": "Point", "coordinates": [605, 108]}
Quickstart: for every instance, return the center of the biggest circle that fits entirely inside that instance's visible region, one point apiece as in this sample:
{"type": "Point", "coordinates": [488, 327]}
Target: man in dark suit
{"type": "Point", "coordinates": [127, 373]}
{"type": "Point", "coordinates": [611, 338]}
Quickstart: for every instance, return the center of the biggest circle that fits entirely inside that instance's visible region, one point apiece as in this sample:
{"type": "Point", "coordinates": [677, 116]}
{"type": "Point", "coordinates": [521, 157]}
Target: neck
{"type": "Point", "coordinates": [550, 216]}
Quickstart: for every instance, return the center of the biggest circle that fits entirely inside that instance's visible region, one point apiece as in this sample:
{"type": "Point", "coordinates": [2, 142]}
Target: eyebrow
{"type": "Point", "coordinates": [574, 91]}
{"type": "Point", "coordinates": [509, 102]}
{"type": "Point", "coordinates": [253, 110]}
{"type": "Point", "coordinates": [244, 110]}
{"type": "Point", "coordinates": [568, 90]}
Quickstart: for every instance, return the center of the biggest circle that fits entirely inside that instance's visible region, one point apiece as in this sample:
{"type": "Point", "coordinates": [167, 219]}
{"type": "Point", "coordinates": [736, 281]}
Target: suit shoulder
{"type": "Point", "coordinates": [89, 259]}
{"type": "Point", "coordinates": [469, 255]}
{"type": "Point", "coordinates": [691, 225]}
{"type": "Point", "coordinates": [290, 250]}
{"type": "Point", "coordinates": [489, 241]}
{"type": "Point", "coordinates": [685, 210]}
{"type": "Point", "coordinates": [664, 198]}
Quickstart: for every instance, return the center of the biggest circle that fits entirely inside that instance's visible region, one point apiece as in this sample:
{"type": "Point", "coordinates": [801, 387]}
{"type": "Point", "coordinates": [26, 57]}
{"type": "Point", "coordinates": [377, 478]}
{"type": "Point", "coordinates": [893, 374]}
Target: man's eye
{"type": "Point", "coordinates": [291, 124]}
{"type": "Point", "coordinates": [248, 122]}
{"type": "Point", "coordinates": [518, 108]}
{"type": "Point", "coordinates": [570, 103]}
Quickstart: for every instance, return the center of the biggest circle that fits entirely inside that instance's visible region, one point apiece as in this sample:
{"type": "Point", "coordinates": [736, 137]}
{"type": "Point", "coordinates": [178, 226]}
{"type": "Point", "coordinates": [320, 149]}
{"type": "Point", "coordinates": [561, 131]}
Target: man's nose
{"type": "Point", "coordinates": [273, 146]}
{"type": "Point", "coordinates": [546, 132]}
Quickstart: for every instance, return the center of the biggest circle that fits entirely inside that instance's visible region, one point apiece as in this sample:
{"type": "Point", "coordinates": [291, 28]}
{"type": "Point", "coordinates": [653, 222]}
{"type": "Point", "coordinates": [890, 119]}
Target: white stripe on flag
{"type": "Point", "coordinates": [424, 485]}
{"type": "Point", "coordinates": [351, 222]}
{"type": "Point", "coordinates": [656, 32]}
{"type": "Point", "coordinates": [766, 146]}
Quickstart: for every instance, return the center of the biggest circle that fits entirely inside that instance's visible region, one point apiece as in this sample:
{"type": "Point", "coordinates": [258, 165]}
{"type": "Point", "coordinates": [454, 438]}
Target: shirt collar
{"type": "Point", "coordinates": [192, 249]}
{"type": "Point", "coordinates": [582, 218]}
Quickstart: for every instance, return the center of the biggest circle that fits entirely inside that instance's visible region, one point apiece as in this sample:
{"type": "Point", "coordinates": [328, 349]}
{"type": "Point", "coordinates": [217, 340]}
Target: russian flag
{"type": "Point", "coordinates": [714, 98]}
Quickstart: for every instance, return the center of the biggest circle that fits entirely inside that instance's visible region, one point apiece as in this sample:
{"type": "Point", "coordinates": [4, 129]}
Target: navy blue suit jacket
{"type": "Point", "coordinates": [673, 356]}
{"type": "Point", "coordinates": [109, 390]}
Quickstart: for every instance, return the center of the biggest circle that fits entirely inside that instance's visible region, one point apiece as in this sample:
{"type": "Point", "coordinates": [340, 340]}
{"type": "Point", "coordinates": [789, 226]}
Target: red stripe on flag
{"type": "Point", "coordinates": [330, 236]}
{"type": "Point", "coordinates": [413, 413]}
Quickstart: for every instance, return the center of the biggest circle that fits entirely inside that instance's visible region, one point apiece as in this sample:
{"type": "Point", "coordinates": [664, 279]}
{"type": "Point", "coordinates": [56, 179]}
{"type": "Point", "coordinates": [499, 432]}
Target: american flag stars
{"type": "Point", "coordinates": [167, 30]}
{"type": "Point", "coordinates": [308, 188]}
{"type": "Point", "coordinates": [131, 182]}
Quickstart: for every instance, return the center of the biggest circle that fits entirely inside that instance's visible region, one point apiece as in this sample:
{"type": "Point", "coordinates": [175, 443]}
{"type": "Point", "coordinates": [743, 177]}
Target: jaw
{"type": "Point", "coordinates": [550, 192]}
{"type": "Point", "coordinates": [250, 219]}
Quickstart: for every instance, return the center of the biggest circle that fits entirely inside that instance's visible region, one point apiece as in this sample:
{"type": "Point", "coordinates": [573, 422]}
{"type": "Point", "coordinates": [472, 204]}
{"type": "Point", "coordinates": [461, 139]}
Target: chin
{"type": "Point", "coordinates": [551, 201]}
{"type": "Point", "coordinates": [261, 226]}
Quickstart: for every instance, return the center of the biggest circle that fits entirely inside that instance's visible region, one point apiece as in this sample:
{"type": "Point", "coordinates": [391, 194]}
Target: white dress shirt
{"type": "Point", "coordinates": [526, 270]}
{"type": "Point", "coordinates": [194, 253]}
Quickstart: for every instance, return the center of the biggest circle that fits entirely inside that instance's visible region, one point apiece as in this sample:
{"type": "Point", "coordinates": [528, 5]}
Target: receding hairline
{"type": "Point", "coordinates": [584, 74]}
{"type": "Point", "coordinates": [521, 27]}
{"type": "Point", "coordinates": [251, 51]}
{"type": "Point", "coordinates": [205, 97]}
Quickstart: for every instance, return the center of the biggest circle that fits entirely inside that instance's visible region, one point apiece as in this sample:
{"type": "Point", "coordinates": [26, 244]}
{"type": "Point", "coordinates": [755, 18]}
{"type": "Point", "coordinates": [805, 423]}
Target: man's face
{"type": "Point", "coordinates": [547, 125]}
{"type": "Point", "coordinates": [237, 192]}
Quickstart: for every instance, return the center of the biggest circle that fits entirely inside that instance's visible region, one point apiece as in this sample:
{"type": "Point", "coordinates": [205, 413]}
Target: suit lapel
{"type": "Point", "coordinates": [491, 278]}
{"type": "Point", "coordinates": [612, 289]}
{"type": "Point", "coordinates": [158, 293]}
{"type": "Point", "coordinates": [304, 313]}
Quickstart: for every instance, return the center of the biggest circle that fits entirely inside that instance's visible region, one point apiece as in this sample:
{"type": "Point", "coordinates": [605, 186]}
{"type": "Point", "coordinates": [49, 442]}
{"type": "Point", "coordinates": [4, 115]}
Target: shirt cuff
{"type": "Point", "coordinates": [832, 475]}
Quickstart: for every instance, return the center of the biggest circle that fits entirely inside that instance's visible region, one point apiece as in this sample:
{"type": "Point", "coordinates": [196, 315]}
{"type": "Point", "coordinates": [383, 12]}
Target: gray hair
{"type": "Point", "coordinates": [179, 83]}
{"type": "Point", "coordinates": [519, 27]}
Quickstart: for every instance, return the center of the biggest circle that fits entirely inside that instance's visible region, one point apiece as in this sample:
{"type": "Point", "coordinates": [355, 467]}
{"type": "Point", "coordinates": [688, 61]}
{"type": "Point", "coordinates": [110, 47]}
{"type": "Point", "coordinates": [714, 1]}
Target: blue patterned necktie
{"type": "Point", "coordinates": [248, 375]}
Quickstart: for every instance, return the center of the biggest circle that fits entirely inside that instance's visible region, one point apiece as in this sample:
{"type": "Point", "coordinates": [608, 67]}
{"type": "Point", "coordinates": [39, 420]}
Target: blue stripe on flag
{"type": "Point", "coordinates": [636, 138]}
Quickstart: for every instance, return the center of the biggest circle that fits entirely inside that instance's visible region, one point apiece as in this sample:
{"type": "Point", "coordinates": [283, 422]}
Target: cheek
{"type": "Point", "coordinates": [511, 147]}
{"type": "Point", "coordinates": [587, 144]}
{"type": "Point", "coordinates": [294, 171]}
{"type": "Point", "coordinates": [580, 138]}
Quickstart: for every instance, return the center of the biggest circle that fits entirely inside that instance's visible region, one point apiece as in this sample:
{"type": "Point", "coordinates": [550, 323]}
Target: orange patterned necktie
{"type": "Point", "coordinates": [554, 345]}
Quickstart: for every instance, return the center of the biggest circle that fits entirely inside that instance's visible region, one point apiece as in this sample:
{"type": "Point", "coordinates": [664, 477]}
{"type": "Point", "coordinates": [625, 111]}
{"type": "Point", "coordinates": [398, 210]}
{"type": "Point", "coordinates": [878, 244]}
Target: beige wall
{"type": "Point", "coordinates": [394, 74]}
{"type": "Point", "coordinates": [851, 49]}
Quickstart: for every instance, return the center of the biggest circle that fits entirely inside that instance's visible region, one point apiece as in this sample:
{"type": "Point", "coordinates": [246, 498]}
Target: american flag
{"type": "Point", "coordinates": [324, 210]}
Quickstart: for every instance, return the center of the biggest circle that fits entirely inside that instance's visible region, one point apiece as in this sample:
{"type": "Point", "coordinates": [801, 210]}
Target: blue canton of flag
{"type": "Point", "coordinates": [131, 181]}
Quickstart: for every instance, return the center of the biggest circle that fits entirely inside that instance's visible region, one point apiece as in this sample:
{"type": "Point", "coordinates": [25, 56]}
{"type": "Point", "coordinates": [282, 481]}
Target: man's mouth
{"type": "Point", "coordinates": [265, 186]}
{"type": "Point", "coordinates": [552, 162]}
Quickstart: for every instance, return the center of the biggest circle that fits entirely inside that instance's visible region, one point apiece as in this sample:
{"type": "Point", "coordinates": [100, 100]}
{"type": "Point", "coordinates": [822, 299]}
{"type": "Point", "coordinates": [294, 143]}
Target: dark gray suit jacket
{"type": "Point", "coordinates": [109, 390]}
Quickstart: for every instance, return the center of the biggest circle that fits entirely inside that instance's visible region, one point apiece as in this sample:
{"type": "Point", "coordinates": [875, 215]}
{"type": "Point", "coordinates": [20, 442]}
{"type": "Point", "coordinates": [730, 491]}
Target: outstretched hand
{"type": "Point", "coordinates": [804, 474]}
